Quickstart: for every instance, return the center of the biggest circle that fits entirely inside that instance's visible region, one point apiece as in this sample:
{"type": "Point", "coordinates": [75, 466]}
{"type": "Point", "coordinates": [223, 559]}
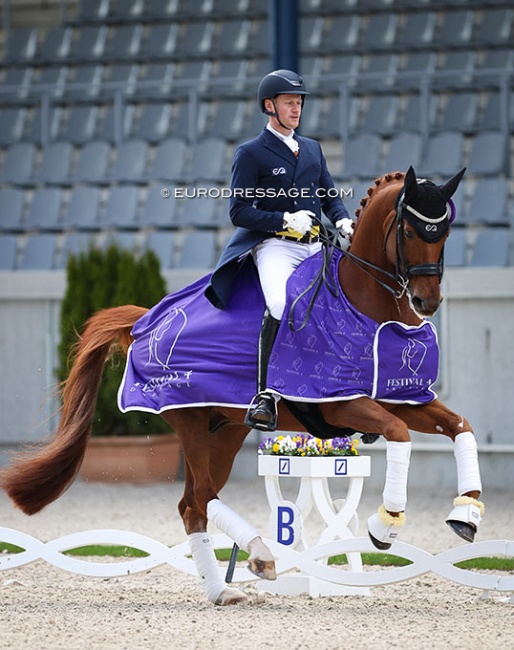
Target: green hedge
{"type": "Point", "coordinates": [96, 280]}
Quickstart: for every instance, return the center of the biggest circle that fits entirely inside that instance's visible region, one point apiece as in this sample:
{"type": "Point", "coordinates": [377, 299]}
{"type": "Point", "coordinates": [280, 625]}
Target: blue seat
{"type": "Point", "coordinates": [169, 161]}
{"type": "Point", "coordinates": [381, 115]}
{"type": "Point", "coordinates": [455, 248]}
{"type": "Point", "coordinates": [121, 210]}
{"type": "Point", "coordinates": [8, 250]}
{"type": "Point", "coordinates": [444, 155]}
{"type": "Point", "coordinates": [49, 81]}
{"type": "Point", "coordinates": [12, 121]}
{"type": "Point", "coordinates": [130, 163]}
{"type": "Point", "coordinates": [488, 154]}
{"type": "Point", "coordinates": [114, 127]}
{"type": "Point", "coordinates": [163, 245]}
{"type": "Point", "coordinates": [83, 84]}
{"type": "Point", "coordinates": [195, 40]}
{"type": "Point", "coordinates": [80, 125]}
{"type": "Point", "coordinates": [460, 112]}
{"type": "Point", "coordinates": [11, 209]}
{"type": "Point", "coordinates": [124, 43]}
{"type": "Point", "coordinates": [154, 81]}
{"type": "Point", "coordinates": [92, 11]}
{"type": "Point", "coordinates": [74, 244]}
{"type": "Point", "coordinates": [44, 126]}
{"type": "Point", "coordinates": [417, 30]}
{"type": "Point", "coordinates": [489, 202]}
{"type": "Point", "coordinates": [160, 42]}
{"type": "Point", "coordinates": [45, 209]}
{"type": "Point", "coordinates": [119, 78]}
{"type": "Point", "coordinates": [39, 253]}
{"type": "Point", "coordinates": [93, 162]}
{"type": "Point", "coordinates": [56, 45]}
{"type": "Point", "coordinates": [209, 160]}
{"type": "Point", "coordinates": [56, 164]}
{"type": "Point", "coordinates": [83, 209]}
{"type": "Point", "coordinates": [21, 45]}
{"type": "Point", "coordinates": [159, 211]}
{"type": "Point", "coordinates": [491, 248]}
{"type": "Point", "coordinates": [198, 250]}
{"type": "Point", "coordinates": [405, 149]}
{"type": "Point", "coordinates": [88, 44]}
{"type": "Point", "coordinates": [200, 211]}
{"type": "Point", "coordinates": [155, 121]}
{"type": "Point", "coordinates": [16, 86]}
{"type": "Point", "coordinates": [18, 167]}
{"type": "Point", "coordinates": [362, 155]}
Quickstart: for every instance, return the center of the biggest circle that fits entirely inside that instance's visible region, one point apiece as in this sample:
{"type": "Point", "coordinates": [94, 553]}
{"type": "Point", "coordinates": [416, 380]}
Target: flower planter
{"type": "Point", "coordinates": [314, 466]}
{"type": "Point", "coordinates": [132, 459]}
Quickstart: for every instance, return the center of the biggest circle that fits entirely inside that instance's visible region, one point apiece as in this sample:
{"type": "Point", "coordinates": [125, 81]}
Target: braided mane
{"type": "Point", "coordinates": [385, 179]}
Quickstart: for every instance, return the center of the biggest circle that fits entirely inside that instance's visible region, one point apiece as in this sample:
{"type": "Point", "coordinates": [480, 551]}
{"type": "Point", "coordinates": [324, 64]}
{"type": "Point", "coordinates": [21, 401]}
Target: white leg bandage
{"type": "Point", "coordinates": [231, 523]}
{"type": "Point", "coordinates": [202, 549]}
{"type": "Point", "coordinates": [397, 471]}
{"type": "Point", "coordinates": [466, 457]}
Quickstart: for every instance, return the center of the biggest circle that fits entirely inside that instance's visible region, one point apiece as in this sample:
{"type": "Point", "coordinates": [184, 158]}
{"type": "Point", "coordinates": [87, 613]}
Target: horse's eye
{"type": "Point", "coordinates": [409, 233]}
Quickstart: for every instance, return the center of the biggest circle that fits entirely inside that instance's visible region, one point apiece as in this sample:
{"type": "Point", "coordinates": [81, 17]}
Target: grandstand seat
{"type": "Point", "coordinates": [112, 128]}
{"type": "Point", "coordinates": [119, 78]}
{"type": "Point", "coordinates": [359, 191]}
{"type": "Point", "coordinates": [130, 163]}
{"type": "Point", "coordinates": [83, 209]}
{"type": "Point", "coordinates": [121, 209]}
{"type": "Point", "coordinates": [378, 72]}
{"type": "Point", "coordinates": [494, 112]}
{"type": "Point", "coordinates": [74, 244]}
{"type": "Point", "coordinates": [362, 155]}
{"type": "Point", "coordinates": [88, 44]}
{"type": "Point", "coordinates": [121, 239]}
{"type": "Point", "coordinates": [159, 11]}
{"type": "Point", "coordinates": [45, 209]}
{"type": "Point", "coordinates": [444, 155]}
{"type": "Point", "coordinates": [154, 81]}
{"type": "Point", "coordinates": [16, 86]}
{"type": "Point", "coordinates": [80, 125]}
{"type": "Point", "coordinates": [378, 32]}
{"type": "Point", "coordinates": [190, 75]}
{"type": "Point", "coordinates": [56, 45]}
{"type": "Point", "coordinates": [414, 66]}
{"type": "Point", "coordinates": [8, 250]}
{"type": "Point", "coordinates": [21, 44]}
{"type": "Point", "coordinates": [501, 60]}
{"type": "Point", "coordinates": [342, 71]}
{"type": "Point", "coordinates": [84, 84]}
{"type": "Point", "coordinates": [163, 245]}
{"type": "Point", "coordinates": [11, 209]}
{"type": "Point", "coordinates": [460, 112]}
{"type": "Point", "coordinates": [158, 211]}
{"type": "Point", "coordinates": [93, 162]}
{"type": "Point", "coordinates": [381, 114]}
{"type": "Point", "coordinates": [414, 118]}
{"type": "Point", "coordinates": [185, 122]}
{"type": "Point", "coordinates": [341, 33]}
{"type": "Point", "coordinates": [194, 40]}
{"type": "Point", "coordinates": [124, 43]}
{"type": "Point", "coordinates": [488, 154]}
{"type": "Point", "coordinates": [491, 248]}
{"type": "Point", "coordinates": [258, 39]}
{"type": "Point", "coordinates": [199, 211]}
{"type": "Point", "coordinates": [489, 202]}
{"type": "Point", "coordinates": [56, 164]}
{"type": "Point", "coordinates": [405, 149]}
{"type": "Point", "coordinates": [125, 11]}
{"type": "Point", "coordinates": [44, 125]}
{"type": "Point", "coordinates": [455, 248]}
{"type": "Point", "coordinates": [169, 160]}
{"type": "Point", "coordinates": [12, 121]}
{"type": "Point", "coordinates": [495, 28]}
{"type": "Point", "coordinates": [416, 31]}
{"type": "Point", "coordinates": [311, 29]}
{"type": "Point", "coordinates": [92, 11]}
{"type": "Point", "coordinates": [39, 252]}
{"type": "Point", "coordinates": [340, 118]}
{"type": "Point", "coordinates": [311, 123]}
{"type": "Point", "coordinates": [18, 167]}
{"type": "Point", "coordinates": [154, 124]}
{"type": "Point", "coordinates": [228, 77]}
{"type": "Point", "coordinates": [227, 121]}
{"type": "Point", "coordinates": [456, 70]}
{"type": "Point", "coordinates": [159, 43]}
{"type": "Point", "coordinates": [50, 82]}
{"type": "Point", "coordinates": [455, 30]}
{"type": "Point", "coordinates": [198, 250]}
{"type": "Point", "coordinates": [208, 160]}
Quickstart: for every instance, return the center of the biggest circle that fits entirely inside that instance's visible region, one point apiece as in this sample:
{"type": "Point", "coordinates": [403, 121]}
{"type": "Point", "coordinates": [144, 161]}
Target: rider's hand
{"type": "Point", "coordinates": [300, 221]}
{"type": "Point", "coordinates": [344, 232]}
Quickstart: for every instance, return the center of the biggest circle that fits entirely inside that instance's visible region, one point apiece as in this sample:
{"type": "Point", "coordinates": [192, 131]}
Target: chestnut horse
{"type": "Point", "coordinates": [391, 272]}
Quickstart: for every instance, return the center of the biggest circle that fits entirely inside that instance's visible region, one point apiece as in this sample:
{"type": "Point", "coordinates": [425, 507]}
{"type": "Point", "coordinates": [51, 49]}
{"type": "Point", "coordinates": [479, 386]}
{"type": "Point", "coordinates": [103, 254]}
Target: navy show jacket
{"type": "Point", "coordinates": [268, 180]}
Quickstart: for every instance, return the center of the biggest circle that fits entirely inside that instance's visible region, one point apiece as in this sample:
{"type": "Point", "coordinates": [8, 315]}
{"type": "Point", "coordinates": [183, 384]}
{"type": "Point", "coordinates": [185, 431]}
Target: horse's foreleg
{"type": "Point", "coordinates": [364, 414]}
{"type": "Point", "coordinates": [438, 418]}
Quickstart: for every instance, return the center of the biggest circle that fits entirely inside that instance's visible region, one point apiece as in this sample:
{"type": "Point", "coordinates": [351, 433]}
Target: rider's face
{"type": "Point", "coordinates": [288, 109]}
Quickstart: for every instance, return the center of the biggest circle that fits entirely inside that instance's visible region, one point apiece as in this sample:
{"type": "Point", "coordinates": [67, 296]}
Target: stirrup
{"type": "Point", "coordinates": [262, 413]}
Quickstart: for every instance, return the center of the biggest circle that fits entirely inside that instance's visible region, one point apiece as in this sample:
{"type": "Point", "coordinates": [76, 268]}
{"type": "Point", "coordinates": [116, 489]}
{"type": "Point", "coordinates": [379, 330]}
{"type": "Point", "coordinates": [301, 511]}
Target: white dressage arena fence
{"type": "Point", "coordinates": [302, 565]}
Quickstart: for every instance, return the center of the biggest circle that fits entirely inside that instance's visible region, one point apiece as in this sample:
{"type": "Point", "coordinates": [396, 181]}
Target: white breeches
{"type": "Point", "coordinates": [275, 260]}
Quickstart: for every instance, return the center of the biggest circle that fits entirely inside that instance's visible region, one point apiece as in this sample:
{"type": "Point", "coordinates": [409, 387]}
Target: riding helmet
{"type": "Point", "coordinates": [280, 82]}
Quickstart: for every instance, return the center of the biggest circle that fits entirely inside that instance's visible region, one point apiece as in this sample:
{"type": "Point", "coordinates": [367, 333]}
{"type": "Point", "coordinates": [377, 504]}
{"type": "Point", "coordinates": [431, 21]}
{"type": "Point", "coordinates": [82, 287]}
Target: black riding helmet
{"type": "Point", "coordinates": [280, 82]}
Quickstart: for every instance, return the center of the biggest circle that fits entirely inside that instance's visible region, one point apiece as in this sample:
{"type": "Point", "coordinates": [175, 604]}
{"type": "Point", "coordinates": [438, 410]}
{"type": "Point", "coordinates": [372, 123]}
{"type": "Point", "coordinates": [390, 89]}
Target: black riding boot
{"type": "Point", "coordinates": [262, 413]}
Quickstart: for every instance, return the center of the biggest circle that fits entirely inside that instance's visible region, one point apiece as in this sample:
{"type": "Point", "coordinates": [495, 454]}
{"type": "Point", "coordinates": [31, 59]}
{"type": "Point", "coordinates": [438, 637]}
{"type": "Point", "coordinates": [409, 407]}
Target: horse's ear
{"type": "Point", "coordinates": [449, 188]}
{"type": "Point", "coordinates": [410, 185]}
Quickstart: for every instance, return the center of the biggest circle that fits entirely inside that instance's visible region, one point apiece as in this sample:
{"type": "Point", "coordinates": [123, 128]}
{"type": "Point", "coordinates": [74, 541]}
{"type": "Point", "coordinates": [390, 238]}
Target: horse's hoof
{"type": "Point", "coordinates": [231, 596]}
{"type": "Point", "coordinates": [264, 569]}
{"type": "Point", "coordinates": [383, 546]}
{"type": "Point", "coordinates": [463, 529]}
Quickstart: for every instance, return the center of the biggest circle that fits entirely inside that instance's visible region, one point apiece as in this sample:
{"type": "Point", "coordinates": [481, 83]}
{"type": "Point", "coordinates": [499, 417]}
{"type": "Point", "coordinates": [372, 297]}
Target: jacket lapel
{"type": "Point", "coordinates": [278, 147]}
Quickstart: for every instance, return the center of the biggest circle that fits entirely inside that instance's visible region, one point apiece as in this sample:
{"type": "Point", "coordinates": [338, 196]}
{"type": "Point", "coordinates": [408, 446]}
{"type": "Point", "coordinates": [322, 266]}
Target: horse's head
{"type": "Point", "coordinates": [424, 212]}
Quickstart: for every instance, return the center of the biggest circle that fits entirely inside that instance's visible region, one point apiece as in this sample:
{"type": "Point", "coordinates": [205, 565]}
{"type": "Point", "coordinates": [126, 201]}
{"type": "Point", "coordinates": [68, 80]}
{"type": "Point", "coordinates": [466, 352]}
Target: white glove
{"type": "Point", "coordinates": [345, 227]}
{"type": "Point", "coordinates": [300, 221]}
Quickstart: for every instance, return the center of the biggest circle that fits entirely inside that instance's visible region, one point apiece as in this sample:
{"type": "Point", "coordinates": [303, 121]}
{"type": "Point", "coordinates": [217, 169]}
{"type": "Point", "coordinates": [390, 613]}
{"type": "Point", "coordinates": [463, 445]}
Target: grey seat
{"type": "Point", "coordinates": [80, 125]}
{"type": "Point", "coordinates": [74, 244]}
{"type": "Point", "coordinates": [232, 38]}
{"type": "Point", "coordinates": [114, 127]}
{"type": "Point", "coordinates": [154, 124]}
{"type": "Point", "coordinates": [381, 114]}
{"type": "Point", "coordinates": [417, 30]}
{"type": "Point", "coordinates": [362, 155]}
{"type": "Point", "coordinates": [495, 28]}
{"type": "Point", "coordinates": [45, 209]}
{"type": "Point", "coordinates": [11, 209]}
{"type": "Point", "coordinates": [169, 162]}
{"type": "Point", "coordinates": [56, 45]}
{"type": "Point", "coordinates": [488, 154]}
{"type": "Point", "coordinates": [159, 211]}
{"type": "Point", "coordinates": [444, 154]}
{"type": "Point", "coordinates": [160, 42]}
{"type": "Point", "coordinates": [259, 38]}
{"type": "Point", "coordinates": [130, 163]}
{"type": "Point", "coordinates": [18, 167]}
{"type": "Point", "coordinates": [311, 124]}
{"type": "Point", "coordinates": [208, 160]}
{"type": "Point", "coordinates": [93, 162]}
{"type": "Point", "coordinates": [456, 69]}
{"type": "Point", "coordinates": [160, 10]}
{"type": "Point", "coordinates": [83, 84]}
{"type": "Point", "coordinates": [56, 164]}
{"type": "Point", "coordinates": [378, 72]}
{"type": "Point", "coordinates": [125, 11]}
{"type": "Point", "coordinates": [88, 43]}
{"type": "Point", "coordinates": [378, 32]}
{"type": "Point", "coordinates": [455, 248]}
{"type": "Point", "coordinates": [21, 45]}
{"type": "Point", "coordinates": [341, 33]}
{"type": "Point", "coordinates": [121, 210]}
{"type": "Point", "coordinates": [124, 43]}
{"type": "Point", "coordinates": [195, 40]}
{"type": "Point", "coordinates": [346, 67]}
{"type": "Point", "coordinates": [121, 239]}
{"type": "Point", "coordinates": [12, 121]}
{"type": "Point", "coordinates": [414, 118]}
{"type": "Point", "coordinates": [154, 81]}
{"type": "Point", "coordinates": [49, 81]}
{"type": "Point", "coordinates": [405, 149]}
{"type": "Point", "coordinates": [8, 250]}
{"type": "Point", "coordinates": [340, 119]}
{"type": "Point", "coordinates": [414, 66]}
{"type": "Point", "coordinates": [489, 202]}
{"type": "Point", "coordinates": [491, 248]}
{"type": "Point", "coordinates": [92, 11]}
{"type": "Point", "coordinates": [83, 209]}
{"type": "Point", "coordinates": [456, 29]}
{"type": "Point", "coordinates": [198, 250]}
{"type": "Point", "coordinates": [119, 77]}
{"type": "Point", "coordinates": [163, 245]}
{"type": "Point", "coordinates": [228, 120]}
{"type": "Point", "coordinates": [16, 86]}
{"type": "Point", "coordinates": [460, 112]}
{"type": "Point", "coordinates": [39, 253]}
{"type": "Point", "coordinates": [200, 211]}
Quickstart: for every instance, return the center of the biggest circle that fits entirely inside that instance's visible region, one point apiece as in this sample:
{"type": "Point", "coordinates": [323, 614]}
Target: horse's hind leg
{"type": "Point", "coordinates": [435, 417]}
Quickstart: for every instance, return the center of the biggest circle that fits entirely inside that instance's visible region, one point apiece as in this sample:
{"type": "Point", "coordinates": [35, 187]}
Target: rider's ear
{"type": "Point", "coordinates": [410, 185]}
{"type": "Point", "coordinates": [448, 189]}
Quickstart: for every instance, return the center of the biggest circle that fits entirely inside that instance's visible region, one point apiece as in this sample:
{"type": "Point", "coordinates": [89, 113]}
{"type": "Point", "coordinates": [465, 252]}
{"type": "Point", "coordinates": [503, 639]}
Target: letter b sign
{"type": "Point", "coordinates": [286, 523]}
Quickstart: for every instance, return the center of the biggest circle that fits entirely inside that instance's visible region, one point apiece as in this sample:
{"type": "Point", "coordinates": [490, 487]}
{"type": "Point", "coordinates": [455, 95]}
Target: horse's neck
{"type": "Point", "coordinates": [363, 291]}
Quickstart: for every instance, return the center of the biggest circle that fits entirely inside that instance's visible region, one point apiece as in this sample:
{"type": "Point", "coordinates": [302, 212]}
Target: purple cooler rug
{"type": "Point", "coordinates": [188, 353]}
